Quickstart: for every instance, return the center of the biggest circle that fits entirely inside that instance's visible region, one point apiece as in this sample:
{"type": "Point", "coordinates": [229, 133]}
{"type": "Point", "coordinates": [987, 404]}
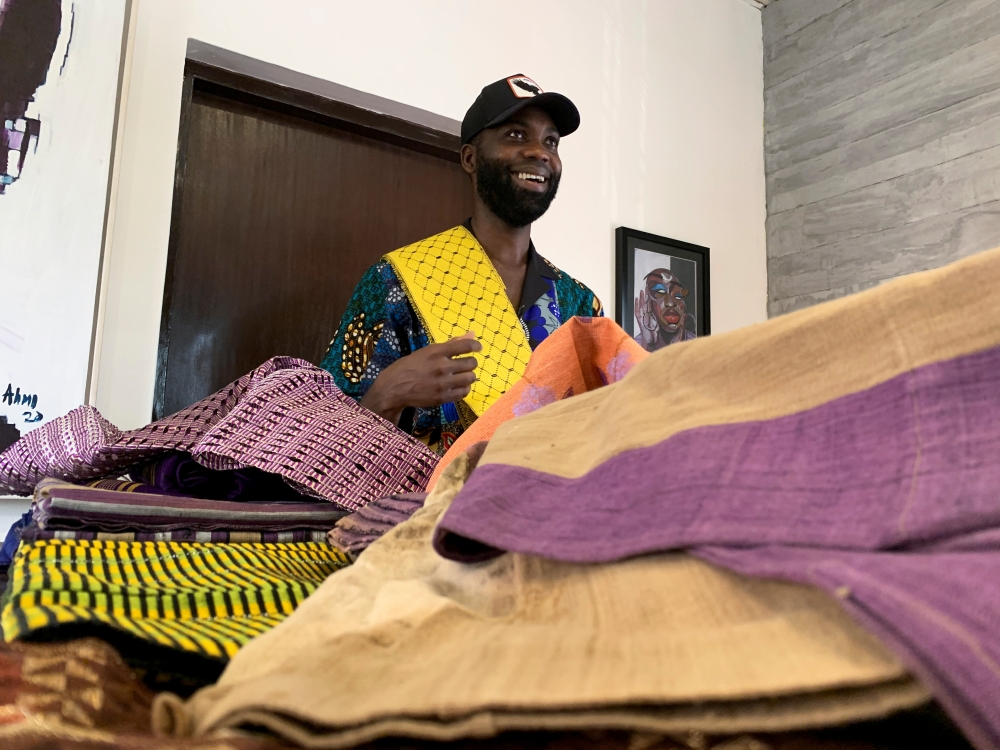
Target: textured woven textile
{"type": "Point", "coordinates": [208, 599]}
{"type": "Point", "coordinates": [286, 417]}
{"type": "Point", "coordinates": [180, 474]}
{"type": "Point", "coordinates": [582, 354]}
{"type": "Point", "coordinates": [32, 533]}
{"type": "Point", "coordinates": [58, 505]}
{"type": "Point", "coordinates": [80, 695]}
{"type": "Point", "coordinates": [380, 325]}
{"type": "Point", "coordinates": [854, 446]}
{"type": "Point", "coordinates": [454, 289]}
{"type": "Point", "coordinates": [355, 532]}
{"type": "Point", "coordinates": [440, 650]}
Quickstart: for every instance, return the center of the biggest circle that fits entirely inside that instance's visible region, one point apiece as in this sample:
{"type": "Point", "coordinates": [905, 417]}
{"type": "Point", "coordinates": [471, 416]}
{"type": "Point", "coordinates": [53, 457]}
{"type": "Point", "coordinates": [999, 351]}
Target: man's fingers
{"type": "Point", "coordinates": [462, 379]}
{"type": "Point", "coordinates": [456, 394]}
{"type": "Point", "coordinates": [464, 364]}
{"type": "Point", "coordinates": [461, 345]}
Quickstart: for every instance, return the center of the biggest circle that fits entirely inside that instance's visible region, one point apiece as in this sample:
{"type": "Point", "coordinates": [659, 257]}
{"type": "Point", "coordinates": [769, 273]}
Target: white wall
{"type": "Point", "coordinates": [670, 93]}
{"type": "Point", "coordinates": [52, 220]}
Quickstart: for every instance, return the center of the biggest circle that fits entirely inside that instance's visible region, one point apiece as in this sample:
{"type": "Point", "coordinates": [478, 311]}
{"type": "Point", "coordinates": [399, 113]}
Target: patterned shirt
{"type": "Point", "coordinates": [380, 326]}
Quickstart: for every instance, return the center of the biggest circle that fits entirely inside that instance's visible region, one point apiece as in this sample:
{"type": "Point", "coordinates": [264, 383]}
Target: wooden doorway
{"type": "Point", "coordinates": [287, 188]}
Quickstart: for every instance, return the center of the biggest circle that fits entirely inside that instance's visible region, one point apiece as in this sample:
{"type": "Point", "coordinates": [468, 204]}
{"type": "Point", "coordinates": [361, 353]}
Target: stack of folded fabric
{"type": "Point", "coordinates": [219, 532]}
{"type": "Point", "coordinates": [182, 573]}
{"type": "Point", "coordinates": [795, 525]}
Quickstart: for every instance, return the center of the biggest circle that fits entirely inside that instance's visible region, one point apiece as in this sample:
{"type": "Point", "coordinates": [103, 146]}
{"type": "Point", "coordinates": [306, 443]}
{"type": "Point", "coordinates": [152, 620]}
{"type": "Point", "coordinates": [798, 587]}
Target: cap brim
{"type": "Point", "coordinates": [563, 112]}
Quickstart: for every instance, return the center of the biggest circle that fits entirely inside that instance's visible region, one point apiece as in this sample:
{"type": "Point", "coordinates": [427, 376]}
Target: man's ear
{"type": "Point", "coordinates": [469, 158]}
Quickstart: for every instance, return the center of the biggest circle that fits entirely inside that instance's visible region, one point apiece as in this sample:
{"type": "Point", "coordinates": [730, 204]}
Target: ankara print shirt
{"type": "Point", "coordinates": [380, 326]}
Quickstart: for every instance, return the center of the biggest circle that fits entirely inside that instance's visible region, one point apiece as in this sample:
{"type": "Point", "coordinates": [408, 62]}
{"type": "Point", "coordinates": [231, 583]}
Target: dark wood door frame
{"type": "Point", "coordinates": [213, 70]}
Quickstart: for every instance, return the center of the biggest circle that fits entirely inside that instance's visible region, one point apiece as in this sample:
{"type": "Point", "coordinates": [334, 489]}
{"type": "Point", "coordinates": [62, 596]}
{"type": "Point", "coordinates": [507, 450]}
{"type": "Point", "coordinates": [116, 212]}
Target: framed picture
{"type": "Point", "coordinates": [60, 69]}
{"type": "Point", "coordinates": [661, 289]}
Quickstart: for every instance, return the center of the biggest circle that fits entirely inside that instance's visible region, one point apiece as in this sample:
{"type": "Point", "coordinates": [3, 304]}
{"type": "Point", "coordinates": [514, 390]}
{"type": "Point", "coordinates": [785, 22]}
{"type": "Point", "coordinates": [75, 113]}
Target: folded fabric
{"type": "Point", "coordinates": [58, 505]}
{"type": "Point", "coordinates": [124, 485]}
{"type": "Point", "coordinates": [179, 474]}
{"type": "Point", "coordinates": [32, 533]}
{"type": "Point", "coordinates": [854, 446]}
{"type": "Point", "coordinates": [355, 532]}
{"type": "Point", "coordinates": [80, 695]}
{"type": "Point", "coordinates": [286, 417]}
{"type": "Point", "coordinates": [438, 650]}
{"type": "Point", "coordinates": [581, 355]}
{"type": "Point", "coordinates": [206, 599]}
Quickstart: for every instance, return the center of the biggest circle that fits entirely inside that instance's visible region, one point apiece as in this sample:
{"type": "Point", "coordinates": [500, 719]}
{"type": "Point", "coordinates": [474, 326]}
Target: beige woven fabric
{"type": "Point", "coordinates": [728, 378]}
{"type": "Point", "coordinates": [406, 643]}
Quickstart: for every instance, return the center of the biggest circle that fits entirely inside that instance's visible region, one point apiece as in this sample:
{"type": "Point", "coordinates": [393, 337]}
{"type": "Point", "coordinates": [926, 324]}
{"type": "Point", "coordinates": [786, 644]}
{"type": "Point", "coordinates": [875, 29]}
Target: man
{"type": "Point", "coordinates": [438, 330]}
{"type": "Point", "coordinates": [661, 311]}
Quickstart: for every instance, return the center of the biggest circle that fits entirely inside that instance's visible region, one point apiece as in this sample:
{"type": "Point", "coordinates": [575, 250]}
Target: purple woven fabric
{"type": "Point", "coordinates": [69, 447]}
{"type": "Point", "coordinates": [286, 417]}
{"type": "Point", "coordinates": [58, 505]}
{"type": "Point", "coordinates": [866, 471]}
{"type": "Point", "coordinates": [180, 474]}
{"type": "Point", "coordinates": [888, 498]}
{"type": "Point", "coordinates": [937, 611]}
{"type": "Point", "coordinates": [33, 533]}
{"type": "Point", "coordinates": [353, 533]}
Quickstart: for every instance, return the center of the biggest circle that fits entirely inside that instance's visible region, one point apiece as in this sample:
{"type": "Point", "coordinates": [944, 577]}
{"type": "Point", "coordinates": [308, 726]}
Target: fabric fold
{"type": "Point", "coordinates": [440, 651]}
{"type": "Point", "coordinates": [581, 355]}
{"type": "Point", "coordinates": [59, 505]}
{"type": "Point", "coordinates": [854, 446]}
{"type": "Point", "coordinates": [286, 418]}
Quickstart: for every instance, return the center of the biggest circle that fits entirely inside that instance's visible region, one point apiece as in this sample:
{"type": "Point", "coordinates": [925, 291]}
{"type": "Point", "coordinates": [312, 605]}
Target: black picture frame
{"type": "Point", "coordinates": [691, 275]}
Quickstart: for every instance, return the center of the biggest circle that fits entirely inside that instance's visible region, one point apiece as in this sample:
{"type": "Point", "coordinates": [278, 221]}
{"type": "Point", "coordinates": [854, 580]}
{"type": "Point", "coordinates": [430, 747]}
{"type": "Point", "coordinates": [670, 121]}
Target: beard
{"type": "Point", "coordinates": [513, 205]}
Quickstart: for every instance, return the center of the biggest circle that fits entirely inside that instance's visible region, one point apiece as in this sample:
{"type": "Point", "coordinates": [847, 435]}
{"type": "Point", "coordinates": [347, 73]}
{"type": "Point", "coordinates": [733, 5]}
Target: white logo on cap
{"type": "Point", "coordinates": [523, 87]}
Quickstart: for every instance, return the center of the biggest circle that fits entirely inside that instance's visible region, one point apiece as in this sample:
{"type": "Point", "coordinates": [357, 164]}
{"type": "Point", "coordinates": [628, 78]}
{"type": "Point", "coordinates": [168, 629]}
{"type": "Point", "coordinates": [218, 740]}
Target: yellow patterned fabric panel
{"type": "Point", "coordinates": [208, 599]}
{"type": "Point", "coordinates": [454, 288]}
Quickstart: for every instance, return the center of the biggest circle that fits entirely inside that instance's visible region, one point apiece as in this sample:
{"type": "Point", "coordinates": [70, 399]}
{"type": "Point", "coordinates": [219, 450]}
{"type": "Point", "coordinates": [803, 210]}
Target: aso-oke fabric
{"type": "Point", "coordinates": [579, 356]}
{"type": "Point", "coordinates": [354, 533]}
{"type": "Point", "coordinates": [32, 533]}
{"type": "Point", "coordinates": [454, 288]}
{"type": "Point", "coordinates": [206, 599]}
{"type": "Point", "coordinates": [81, 695]}
{"type": "Point", "coordinates": [441, 650]}
{"type": "Point", "coordinates": [854, 446]}
{"type": "Point", "coordinates": [59, 505]}
{"type": "Point", "coordinates": [286, 417]}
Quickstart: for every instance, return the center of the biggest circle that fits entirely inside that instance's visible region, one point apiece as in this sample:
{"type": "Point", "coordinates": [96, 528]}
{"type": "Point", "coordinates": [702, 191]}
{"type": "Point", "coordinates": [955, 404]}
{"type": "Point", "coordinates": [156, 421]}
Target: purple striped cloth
{"type": "Point", "coordinates": [33, 533]}
{"type": "Point", "coordinates": [287, 417]}
{"type": "Point", "coordinates": [58, 505]}
{"type": "Point", "coordinates": [355, 532]}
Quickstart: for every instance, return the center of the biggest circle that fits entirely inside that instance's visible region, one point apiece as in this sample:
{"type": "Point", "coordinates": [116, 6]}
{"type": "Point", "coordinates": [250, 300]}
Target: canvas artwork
{"type": "Point", "coordinates": [661, 289]}
{"type": "Point", "coordinates": [59, 72]}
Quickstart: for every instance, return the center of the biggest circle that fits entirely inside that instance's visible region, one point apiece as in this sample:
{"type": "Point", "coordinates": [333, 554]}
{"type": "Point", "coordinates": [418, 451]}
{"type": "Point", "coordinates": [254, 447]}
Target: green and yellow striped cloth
{"type": "Point", "coordinates": [204, 598]}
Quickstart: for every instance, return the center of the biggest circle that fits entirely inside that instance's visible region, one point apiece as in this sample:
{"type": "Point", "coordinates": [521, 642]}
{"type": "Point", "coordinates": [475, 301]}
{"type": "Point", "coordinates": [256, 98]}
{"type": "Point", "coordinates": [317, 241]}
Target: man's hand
{"type": "Point", "coordinates": [429, 377]}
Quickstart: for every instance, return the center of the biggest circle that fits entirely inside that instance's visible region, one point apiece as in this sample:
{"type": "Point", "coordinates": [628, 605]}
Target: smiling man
{"type": "Point", "coordinates": [438, 330]}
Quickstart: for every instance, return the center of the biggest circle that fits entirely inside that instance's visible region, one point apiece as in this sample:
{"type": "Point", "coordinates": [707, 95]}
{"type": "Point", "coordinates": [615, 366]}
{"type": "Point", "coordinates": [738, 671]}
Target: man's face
{"type": "Point", "coordinates": [666, 297]}
{"type": "Point", "coordinates": [517, 166]}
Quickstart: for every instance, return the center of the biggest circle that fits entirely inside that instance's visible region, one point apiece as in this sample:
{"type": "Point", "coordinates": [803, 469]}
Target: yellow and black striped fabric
{"type": "Point", "coordinates": [209, 599]}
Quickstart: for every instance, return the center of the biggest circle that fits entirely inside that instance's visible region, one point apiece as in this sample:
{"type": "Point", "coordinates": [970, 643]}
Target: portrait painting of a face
{"type": "Point", "coordinates": [662, 290]}
{"type": "Point", "coordinates": [60, 68]}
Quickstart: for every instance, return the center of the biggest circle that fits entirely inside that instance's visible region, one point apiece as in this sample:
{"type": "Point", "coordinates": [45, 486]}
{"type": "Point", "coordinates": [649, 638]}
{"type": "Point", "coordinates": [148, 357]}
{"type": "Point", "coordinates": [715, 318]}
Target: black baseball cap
{"type": "Point", "coordinates": [498, 102]}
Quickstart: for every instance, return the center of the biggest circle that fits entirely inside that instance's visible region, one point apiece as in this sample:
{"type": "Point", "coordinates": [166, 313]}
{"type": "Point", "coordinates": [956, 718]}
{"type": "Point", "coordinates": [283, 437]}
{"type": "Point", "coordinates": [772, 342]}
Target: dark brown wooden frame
{"type": "Point", "coordinates": [213, 70]}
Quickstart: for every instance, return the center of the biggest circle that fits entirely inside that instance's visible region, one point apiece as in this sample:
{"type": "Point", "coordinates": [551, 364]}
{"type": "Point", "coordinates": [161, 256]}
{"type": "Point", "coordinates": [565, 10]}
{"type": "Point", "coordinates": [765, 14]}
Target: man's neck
{"type": "Point", "coordinates": [507, 246]}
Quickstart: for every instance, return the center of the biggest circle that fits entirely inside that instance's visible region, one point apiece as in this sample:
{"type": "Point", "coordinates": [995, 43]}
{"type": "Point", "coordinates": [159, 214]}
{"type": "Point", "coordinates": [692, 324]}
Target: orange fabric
{"type": "Point", "coordinates": [582, 354]}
